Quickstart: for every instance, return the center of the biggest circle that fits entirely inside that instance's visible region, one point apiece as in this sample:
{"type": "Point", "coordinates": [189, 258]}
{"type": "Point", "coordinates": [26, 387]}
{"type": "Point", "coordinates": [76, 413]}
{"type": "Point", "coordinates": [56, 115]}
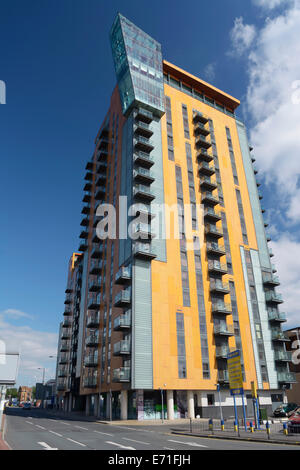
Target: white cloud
{"type": "Point", "coordinates": [287, 256]}
{"type": "Point", "coordinates": [34, 347]}
{"type": "Point", "coordinates": [242, 36]}
{"type": "Point", "coordinates": [13, 313]}
{"type": "Point", "coordinates": [274, 68]}
{"type": "Point", "coordinates": [270, 4]}
{"type": "Point", "coordinates": [210, 71]}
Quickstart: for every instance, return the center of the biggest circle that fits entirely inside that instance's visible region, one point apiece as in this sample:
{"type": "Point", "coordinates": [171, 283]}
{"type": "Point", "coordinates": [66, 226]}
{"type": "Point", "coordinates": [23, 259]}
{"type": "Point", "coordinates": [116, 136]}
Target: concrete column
{"type": "Point", "coordinates": [70, 403]}
{"type": "Point", "coordinates": [124, 404]}
{"type": "Point", "coordinates": [87, 405]}
{"type": "Point", "coordinates": [96, 405]}
{"type": "Point", "coordinates": [108, 407]}
{"type": "Point", "coordinates": [170, 404]}
{"type": "Point", "coordinates": [191, 404]}
{"type": "Point", "coordinates": [66, 401]}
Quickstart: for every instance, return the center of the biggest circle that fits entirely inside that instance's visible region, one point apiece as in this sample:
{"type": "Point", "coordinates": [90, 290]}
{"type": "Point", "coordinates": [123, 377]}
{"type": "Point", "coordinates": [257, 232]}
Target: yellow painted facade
{"type": "Point", "coordinates": [166, 277]}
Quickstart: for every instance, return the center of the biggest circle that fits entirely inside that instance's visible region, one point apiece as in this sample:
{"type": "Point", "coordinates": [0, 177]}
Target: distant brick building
{"type": "Point", "coordinates": [293, 394]}
{"type": "Point", "coordinates": [25, 394]}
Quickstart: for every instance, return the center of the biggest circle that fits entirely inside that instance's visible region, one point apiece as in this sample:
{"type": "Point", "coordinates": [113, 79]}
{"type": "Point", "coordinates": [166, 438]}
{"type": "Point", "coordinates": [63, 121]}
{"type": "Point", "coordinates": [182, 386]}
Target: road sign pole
{"type": "Point", "coordinates": [257, 413]}
{"type": "Point", "coordinates": [236, 415]}
{"type": "Point", "coordinates": [244, 411]}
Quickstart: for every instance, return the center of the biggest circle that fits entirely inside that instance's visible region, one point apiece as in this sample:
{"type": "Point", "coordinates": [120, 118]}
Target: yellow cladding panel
{"type": "Point", "coordinates": [166, 277]}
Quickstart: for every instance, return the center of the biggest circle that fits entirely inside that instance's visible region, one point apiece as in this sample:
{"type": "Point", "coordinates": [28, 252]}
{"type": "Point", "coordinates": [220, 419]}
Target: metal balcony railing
{"type": "Point", "coordinates": [122, 347]}
{"type": "Point", "coordinates": [121, 375]}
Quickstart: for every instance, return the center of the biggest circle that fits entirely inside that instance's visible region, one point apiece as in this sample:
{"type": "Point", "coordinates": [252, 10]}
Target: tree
{"type": "Point", "coordinates": [11, 393]}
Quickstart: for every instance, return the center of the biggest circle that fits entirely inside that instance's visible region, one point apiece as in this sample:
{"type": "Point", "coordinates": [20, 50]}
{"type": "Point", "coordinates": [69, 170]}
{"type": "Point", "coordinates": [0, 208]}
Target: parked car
{"type": "Point", "coordinates": [27, 406]}
{"type": "Point", "coordinates": [294, 421]}
{"type": "Point", "coordinates": [283, 410]}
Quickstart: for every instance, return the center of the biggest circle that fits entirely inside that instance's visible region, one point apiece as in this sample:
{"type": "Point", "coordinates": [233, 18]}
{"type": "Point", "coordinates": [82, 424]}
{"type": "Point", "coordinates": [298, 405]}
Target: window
{"type": "Point", "coordinates": [185, 122]}
{"type": "Point", "coordinates": [182, 373]}
{"type": "Point", "coordinates": [210, 399]}
{"type": "Point", "coordinates": [169, 129]}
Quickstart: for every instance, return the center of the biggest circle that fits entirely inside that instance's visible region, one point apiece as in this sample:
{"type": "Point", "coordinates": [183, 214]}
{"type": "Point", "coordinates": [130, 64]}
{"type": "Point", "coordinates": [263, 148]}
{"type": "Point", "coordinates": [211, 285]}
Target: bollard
{"type": "Point", "coordinates": [236, 426]}
{"type": "Point", "coordinates": [191, 426]}
{"type": "Point", "coordinates": [268, 429]}
{"type": "Point", "coordinates": [210, 425]}
{"type": "Point", "coordinates": [285, 429]}
{"type": "Point", "coordinates": [222, 425]}
{"type": "Point", "coordinates": [251, 427]}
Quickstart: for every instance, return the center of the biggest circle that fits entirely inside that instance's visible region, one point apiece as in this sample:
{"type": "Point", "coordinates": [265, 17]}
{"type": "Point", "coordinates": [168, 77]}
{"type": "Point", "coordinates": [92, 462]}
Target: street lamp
{"type": "Point", "coordinates": [43, 369]}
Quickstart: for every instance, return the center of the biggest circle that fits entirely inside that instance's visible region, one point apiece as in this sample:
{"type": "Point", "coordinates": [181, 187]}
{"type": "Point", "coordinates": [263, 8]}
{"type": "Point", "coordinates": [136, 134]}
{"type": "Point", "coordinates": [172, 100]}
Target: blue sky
{"type": "Point", "coordinates": [56, 61]}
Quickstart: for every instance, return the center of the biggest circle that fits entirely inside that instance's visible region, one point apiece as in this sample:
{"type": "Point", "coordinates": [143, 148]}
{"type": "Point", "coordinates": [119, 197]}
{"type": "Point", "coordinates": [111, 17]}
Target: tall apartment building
{"type": "Point", "coordinates": [155, 314]}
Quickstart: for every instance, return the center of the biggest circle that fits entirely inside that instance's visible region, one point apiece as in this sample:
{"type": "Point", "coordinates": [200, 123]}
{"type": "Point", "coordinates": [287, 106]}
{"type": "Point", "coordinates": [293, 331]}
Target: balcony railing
{"type": "Point", "coordinates": [203, 154]}
{"type": "Point", "coordinates": [123, 297]}
{"type": "Point", "coordinates": [122, 347]}
{"type": "Point", "coordinates": [62, 372]}
{"type": "Point", "coordinates": [278, 335]}
{"type": "Point", "coordinates": [143, 231]}
{"type": "Point", "coordinates": [224, 330]}
{"type": "Point", "coordinates": [210, 213]}
{"type": "Point", "coordinates": [90, 381]}
{"type": "Point", "coordinates": [143, 158]}
{"type": "Point", "coordinates": [209, 198]}
{"type": "Point", "coordinates": [65, 346]}
{"type": "Point", "coordinates": [66, 333]}
{"type": "Point", "coordinates": [205, 168]}
{"type": "Point", "coordinates": [223, 376]}
{"type": "Point", "coordinates": [283, 356]}
{"type": "Point", "coordinates": [213, 231]}
{"type": "Point", "coordinates": [93, 320]}
{"type": "Point", "coordinates": [216, 266]}
{"type": "Point", "coordinates": [142, 143]}
{"type": "Point", "coordinates": [92, 340]}
{"type": "Point", "coordinates": [144, 192]}
{"type": "Point", "coordinates": [123, 275]}
{"type": "Point", "coordinates": [201, 141]}
{"type": "Point", "coordinates": [222, 352]}
{"type": "Point", "coordinates": [144, 175]}
{"type": "Point", "coordinates": [143, 115]}
{"type": "Point", "coordinates": [143, 128]}
{"type": "Point", "coordinates": [63, 358]}
{"type": "Point", "coordinates": [274, 315]}
{"type": "Point", "coordinates": [121, 375]}
{"type": "Point", "coordinates": [215, 248]}
{"type": "Point", "coordinates": [269, 279]}
{"type": "Point", "coordinates": [143, 250]}
{"type": "Point", "coordinates": [206, 182]}
{"type": "Point", "coordinates": [198, 117]}
{"type": "Point", "coordinates": [273, 297]}
{"type": "Point", "coordinates": [91, 360]}
{"type": "Point", "coordinates": [287, 377]}
{"type": "Point", "coordinates": [123, 322]}
{"type": "Point", "coordinates": [201, 128]}
{"type": "Point", "coordinates": [216, 285]}
{"type": "Point", "coordinates": [61, 385]}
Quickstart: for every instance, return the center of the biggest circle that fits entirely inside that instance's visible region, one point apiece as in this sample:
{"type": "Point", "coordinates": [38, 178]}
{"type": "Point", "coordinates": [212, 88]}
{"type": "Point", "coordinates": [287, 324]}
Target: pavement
{"type": "Point", "coordinates": [39, 429]}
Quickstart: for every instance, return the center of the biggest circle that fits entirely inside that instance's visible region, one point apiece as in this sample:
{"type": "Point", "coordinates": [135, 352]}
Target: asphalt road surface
{"type": "Point", "coordinates": [39, 430]}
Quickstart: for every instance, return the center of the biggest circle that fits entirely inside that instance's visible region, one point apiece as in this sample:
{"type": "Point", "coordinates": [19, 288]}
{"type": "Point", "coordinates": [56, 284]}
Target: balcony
{"type": "Point", "coordinates": [143, 231]}
{"type": "Point", "coordinates": [92, 340]}
{"type": "Point", "coordinates": [67, 323]}
{"type": "Point", "coordinates": [122, 348]}
{"type": "Point", "coordinates": [144, 159]}
{"type": "Point", "coordinates": [87, 196]}
{"type": "Point", "coordinates": [222, 352]}
{"type": "Point", "coordinates": [97, 251]}
{"type": "Point", "coordinates": [143, 192]}
{"type": "Point", "coordinates": [142, 128]}
{"type": "Point", "coordinates": [283, 356]}
{"type": "Point", "coordinates": [100, 182]}
{"type": "Point", "coordinates": [68, 312]}
{"type": "Point", "coordinates": [90, 382]}
{"type": "Point", "coordinates": [84, 234]}
{"type": "Point", "coordinates": [93, 320]}
{"type": "Point", "coordinates": [223, 376]}
{"type": "Point", "coordinates": [86, 209]}
{"type": "Point", "coordinates": [94, 303]}
{"type": "Point", "coordinates": [211, 214]}
{"type": "Point", "coordinates": [83, 245]}
{"type": "Point", "coordinates": [123, 276]}
{"type": "Point", "coordinates": [121, 375]}
{"type": "Point", "coordinates": [102, 167]}
{"type": "Point", "coordinates": [102, 155]}
{"type": "Point", "coordinates": [219, 287]}
{"type": "Point", "coordinates": [224, 330]}
{"type": "Point", "coordinates": [91, 360]}
{"type": "Point", "coordinates": [96, 266]}
{"type": "Point", "coordinates": [198, 117]}
{"type": "Point", "coordinates": [85, 222]}
{"type": "Point", "coordinates": [66, 333]}
{"type": "Point", "coordinates": [94, 285]}
{"type": "Point", "coordinates": [276, 316]}
{"type": "Point", "coordinates": [217, 267]}
{"type": "Point", "coordinates": [103, 143]}
{"type": "Point", "coordinates": [201, 141]}
{"type": "Point", "coordinates": [213, 231]}
{"type": "Point", "coordinates": [89, 176]}
{"type": "Point", "coordinates": [89, 166]}
{"type": "Point", "coordinates": [143, 175]}
{"type": "Point", "coordinates": [143, 209]}
{"type": "Point", "coordinates": [273, 297]}
{"type": "Point", "coordinates": [65, 346]}
{"type": "Point", "coordinates": [286, 377]}
{"type": "Point", "coordinates": [123, 298]}
{"type": "Point", "coordinates": [215, 249]}
{"type": "Point", "coordinates": [221, 308]}
{"type": "Point", "coordinates": [209, 198]}
{"type": "Point", "coordinates": [68, 300]}
{"type": "Point", "coordinates": [143, 251]}
{"type": "Point", "coordinates": [204, 156]}
{"type": "Point", "coordinates": [100, 193]}
{"type": "Point", "coordinates": [278, 335]}
{"type": "Point", "coordinates": [271, 254]}
{"type": "Point", "coordinates": [63, 359]}
{"type": "Point", "coordinates": [88, 186]}
{"type": "Point", "coordinates": [202, 129]}
{"type": "Point", "coordinates": [62, 372]}
{"type": "Point", "coordinates": [143, 144]}
{"type": "Point", "coordinates": [123, 322]}
{"type": "Point", "coordinates": [143, 115]}
{"type": "Point", "coordinates": [270, 280]}
{"type": "Point", "coordinates": [61, 385]}
{"type": "Point", "coordinates": [206, 183]}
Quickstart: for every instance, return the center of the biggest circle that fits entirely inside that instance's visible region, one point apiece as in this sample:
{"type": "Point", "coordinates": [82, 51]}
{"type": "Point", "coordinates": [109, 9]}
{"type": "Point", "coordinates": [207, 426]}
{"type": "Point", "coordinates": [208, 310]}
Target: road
{"type": "Point", "coordinates": [39, 430]}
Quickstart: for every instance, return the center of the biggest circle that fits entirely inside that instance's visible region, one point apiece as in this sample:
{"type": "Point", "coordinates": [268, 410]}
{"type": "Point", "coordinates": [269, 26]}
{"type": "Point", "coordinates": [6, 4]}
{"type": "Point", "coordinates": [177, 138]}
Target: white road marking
{"type": "Point", "coordinates": [56, 433]}
{"type": "Point", "coordinates": [41, 427]}
{"type": "Point", "coordinates": [193, 444]}
{"type": "Point", "coordinates": [168, 448]}
{"type": "Point", "coordinates": [76, 442]}
{"type": "Point", "coordinates": [80, 427]}
{"type": "Point", "coordinates": [119, 445]}
{"type": "Point", "coordinates": [139, 442]}
{"type": "Point", "coordinates": [46, 446]}
{"type": "Point", "coordinates": [29, 422]}
{"type": "Point", "coordinates": [125, 427]}
{"type": "Point", "coordinates": [105, 433]}
{"type": "Point", "coordinates": [67, 424]}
